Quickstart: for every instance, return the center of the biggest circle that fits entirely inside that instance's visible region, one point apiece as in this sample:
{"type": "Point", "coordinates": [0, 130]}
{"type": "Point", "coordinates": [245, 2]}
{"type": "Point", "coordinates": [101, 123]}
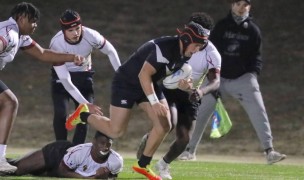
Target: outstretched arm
{"type": "Point", "coordinates": [65, 79]}
{"type": "Point", "coordinates": [47, 55]}
{"type": "Point", "coordinates": [109, 50]}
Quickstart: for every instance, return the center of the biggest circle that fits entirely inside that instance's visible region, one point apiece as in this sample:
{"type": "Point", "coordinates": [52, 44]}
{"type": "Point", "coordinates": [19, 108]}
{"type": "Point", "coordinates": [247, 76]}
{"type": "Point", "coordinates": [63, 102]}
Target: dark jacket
{"type": "Point", "coordinates": [239, 46]}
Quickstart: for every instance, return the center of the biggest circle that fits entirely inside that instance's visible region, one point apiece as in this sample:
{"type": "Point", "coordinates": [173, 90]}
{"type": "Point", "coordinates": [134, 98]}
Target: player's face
{"type": "Point", "coordinates": [73, 34]}
{"type": "Point", "coordinates": [240, 8]}
{"type": "Point", "coordinates": [193, 48]}
{"type": "Point", "coordinates": [102, 146]}
{"type": "Point", "coordinates": [26, 26]}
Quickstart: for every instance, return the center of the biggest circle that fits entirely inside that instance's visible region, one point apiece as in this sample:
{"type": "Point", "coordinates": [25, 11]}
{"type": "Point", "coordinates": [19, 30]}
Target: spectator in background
{"type": "Point", "coordinates": [62, 159]}
{"type": "Point", "coordinates": [71, 82]}
{"type": "Point", "coordinates": [238, 39]}
{"type": "Point", "coordinates": [14, 34]}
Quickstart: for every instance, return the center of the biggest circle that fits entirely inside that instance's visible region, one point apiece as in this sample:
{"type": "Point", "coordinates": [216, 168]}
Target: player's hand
{"type": "Point", "coordinates": [195, 95]}
{"type": "Point", "coordinates": [94, 109]}
{"type": "Point", "coordinates": [78, 60]}
{"type": "Point", "coordinates": [102, 173]}
{"type": "Point", "coordinates": [160, 109]}
{"type": "Point", "coordinates": [185, 84]}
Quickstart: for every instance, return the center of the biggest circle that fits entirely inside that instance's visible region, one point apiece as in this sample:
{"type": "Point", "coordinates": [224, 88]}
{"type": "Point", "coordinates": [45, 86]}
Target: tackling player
{"type": "Point", "coordinates": [14, 35]}
{"type": "Point", "coordinates": [70, 82]}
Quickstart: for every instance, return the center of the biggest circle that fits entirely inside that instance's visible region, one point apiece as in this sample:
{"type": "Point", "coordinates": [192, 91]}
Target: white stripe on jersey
{"type": "Point", "coordinates": [79, 159]}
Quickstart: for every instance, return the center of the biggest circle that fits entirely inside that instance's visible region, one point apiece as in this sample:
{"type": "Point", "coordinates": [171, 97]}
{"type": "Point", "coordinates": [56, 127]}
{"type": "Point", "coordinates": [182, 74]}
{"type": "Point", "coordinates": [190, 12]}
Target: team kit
{"type": "Point", "coordinates": [177, 80]}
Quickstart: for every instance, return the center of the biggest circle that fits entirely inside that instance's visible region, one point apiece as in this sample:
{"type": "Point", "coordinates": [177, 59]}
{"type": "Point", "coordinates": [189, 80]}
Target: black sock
{"type": "Point", "coordinates": [144, 161]}
{"type": "Point", "coordinates": [84, 116]}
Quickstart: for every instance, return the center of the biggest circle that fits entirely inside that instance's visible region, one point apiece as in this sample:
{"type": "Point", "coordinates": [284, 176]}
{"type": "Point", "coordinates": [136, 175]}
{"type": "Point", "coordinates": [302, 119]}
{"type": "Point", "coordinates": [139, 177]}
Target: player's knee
{"type": "Point", "coordinates": [116, 133]}
{"type": "Point", "coordinates": [11, 102]}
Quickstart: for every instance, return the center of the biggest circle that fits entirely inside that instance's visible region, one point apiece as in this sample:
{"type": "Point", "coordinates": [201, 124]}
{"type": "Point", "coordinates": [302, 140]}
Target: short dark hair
{"type": "Point", "coordinates": [25, 8]}
{"type": "Point", "coordinates": [99, 134]}
{"type": "Point", "coordinates": [203, 19]}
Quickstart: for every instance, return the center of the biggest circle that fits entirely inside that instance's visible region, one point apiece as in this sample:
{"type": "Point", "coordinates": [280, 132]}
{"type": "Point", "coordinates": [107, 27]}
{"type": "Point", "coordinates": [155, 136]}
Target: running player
{"type": "Point", "coordinates": [136, 82]}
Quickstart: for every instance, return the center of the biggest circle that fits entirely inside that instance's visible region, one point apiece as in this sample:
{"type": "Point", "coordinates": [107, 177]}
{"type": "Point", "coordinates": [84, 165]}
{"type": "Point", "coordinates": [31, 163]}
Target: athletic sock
{"type": "Point", "coordinates": [84, 116]}
{"type": "Point", "coordinates": [2, 150]}
{"type": "Point", "coordinates": [144, 161]}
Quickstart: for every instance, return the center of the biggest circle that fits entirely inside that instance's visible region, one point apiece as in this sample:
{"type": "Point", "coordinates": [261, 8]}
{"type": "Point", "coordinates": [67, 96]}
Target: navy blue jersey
{"type": "Point", "coordinates": [162, 53]}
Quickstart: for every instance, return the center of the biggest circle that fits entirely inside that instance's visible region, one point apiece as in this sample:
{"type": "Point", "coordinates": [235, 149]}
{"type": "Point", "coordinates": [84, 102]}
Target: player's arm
{"type": "Point", "coordinates": [213, 76]}
{"type": "Point", "coordinates": [65, 79]}
{"type": "Point", "coordinates": [145, 78]}
{"type": "Point", "coordinates": [111, 52]}
{"type": "Point", "coordinates": [65, 171]}
{"type": "Point", "coordinates": [48, 55]}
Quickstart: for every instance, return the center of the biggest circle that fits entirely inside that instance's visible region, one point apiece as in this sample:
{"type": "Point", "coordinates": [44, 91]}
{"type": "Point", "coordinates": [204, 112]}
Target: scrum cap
{"type": "Point", "coordinates": [193, 33]}
{"type": "Point", "coordinates": [69, 19]}
{"type": "Point", "coordinates": [248, 1]}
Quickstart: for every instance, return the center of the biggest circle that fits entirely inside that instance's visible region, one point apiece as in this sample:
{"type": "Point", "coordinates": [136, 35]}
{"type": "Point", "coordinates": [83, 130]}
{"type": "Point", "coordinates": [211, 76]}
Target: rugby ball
{"type": "Point", "coordinates": [171, 81]}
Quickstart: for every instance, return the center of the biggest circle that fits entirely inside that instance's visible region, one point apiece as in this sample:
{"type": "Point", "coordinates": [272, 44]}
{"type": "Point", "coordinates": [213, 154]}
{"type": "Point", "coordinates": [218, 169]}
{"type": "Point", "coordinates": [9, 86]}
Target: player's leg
{"type": "Point", "coordinates": [249, 95]}
{"type": "Point", "coordinates": [205, 111]}
{"type": "Point", "coordinates": [84, 83]}
{"type": "Point", "coordinates": [31, 163]}
{"type": "Point", "coordinates": [8, 113]}
{"type": "Point", "coordinates": [60, 100]}
{"type": "Point", "coordinates": [182, 137]}
{"type": "Point", "coordinates": [160, 128]}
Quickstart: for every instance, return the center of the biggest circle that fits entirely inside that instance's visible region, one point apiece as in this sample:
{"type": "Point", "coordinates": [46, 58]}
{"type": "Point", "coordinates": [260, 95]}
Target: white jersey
{"type": "Point", "coordinates": [90, 39]}
{"type": "Point", "coordinates": [79, 159]}
{"type": "Point", "coordinates": [202, 61]}
{"type": "Point", "coordinates": [9, 35]}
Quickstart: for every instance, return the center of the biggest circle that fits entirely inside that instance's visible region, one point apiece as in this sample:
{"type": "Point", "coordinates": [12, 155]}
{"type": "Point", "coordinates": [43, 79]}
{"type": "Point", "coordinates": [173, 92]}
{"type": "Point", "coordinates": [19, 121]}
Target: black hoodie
{"type": "Point", "coordinates": [239, 46]}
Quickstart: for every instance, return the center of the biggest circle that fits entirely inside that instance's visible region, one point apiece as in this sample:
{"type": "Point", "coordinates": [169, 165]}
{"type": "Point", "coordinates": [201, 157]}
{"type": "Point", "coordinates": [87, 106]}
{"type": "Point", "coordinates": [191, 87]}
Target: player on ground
{"type": "Point", "coordinates": [62, 159]}
{"type": "Point", "coordinates": [14, 34]}
{"type": "Point", "coordinates": [70, 82]}
{"type": "Point", "coordinates": [136, 82]}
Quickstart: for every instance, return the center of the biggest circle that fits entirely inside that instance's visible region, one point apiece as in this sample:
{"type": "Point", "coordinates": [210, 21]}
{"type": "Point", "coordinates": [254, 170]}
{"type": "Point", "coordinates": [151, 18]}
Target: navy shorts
{"type": "Point", "coordinates": [126, 95]}
{"type": "Point", "coordinates": [187, 110]}
{"type": "Point", "coordinates": [53, 154]}
{"type": "Point", "coordinates": [3, 87]}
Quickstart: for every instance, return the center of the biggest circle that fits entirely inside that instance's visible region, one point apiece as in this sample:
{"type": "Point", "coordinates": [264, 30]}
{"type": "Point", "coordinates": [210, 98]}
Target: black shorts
{"type": "Point", "coordinates": [53, 154]}
{"type": "Point", "coordinates": [3, 87]}
{"type": "Point", "coordinates": [126, 95]}
{"type": "Point", "coordinates": [187, 110]}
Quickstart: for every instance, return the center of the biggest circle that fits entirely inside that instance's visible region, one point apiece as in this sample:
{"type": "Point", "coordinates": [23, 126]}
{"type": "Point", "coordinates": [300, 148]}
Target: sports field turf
{"type": "Point", "coordinates": [205, 170]}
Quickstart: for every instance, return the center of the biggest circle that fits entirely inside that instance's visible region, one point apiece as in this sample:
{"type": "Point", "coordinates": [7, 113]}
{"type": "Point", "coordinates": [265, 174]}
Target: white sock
{"type": "Point", "coordinates": [162, 162]}
{"type": "Point", "coordinates": [2, 150]}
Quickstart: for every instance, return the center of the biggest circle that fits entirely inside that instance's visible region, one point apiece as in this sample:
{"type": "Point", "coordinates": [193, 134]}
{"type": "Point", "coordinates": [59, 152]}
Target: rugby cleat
{"type": "Point", "coordinates": [6, 168]}
{"type": "Point", "coordinates": [74, 118]}
{"type": "Point", "coordinates": [146, 171]}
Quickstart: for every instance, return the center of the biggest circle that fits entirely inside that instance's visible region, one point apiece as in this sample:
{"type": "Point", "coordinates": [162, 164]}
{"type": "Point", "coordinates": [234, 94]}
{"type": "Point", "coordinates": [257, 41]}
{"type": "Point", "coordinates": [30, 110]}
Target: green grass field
{"type": "Point", "coordinates": [204, 170]}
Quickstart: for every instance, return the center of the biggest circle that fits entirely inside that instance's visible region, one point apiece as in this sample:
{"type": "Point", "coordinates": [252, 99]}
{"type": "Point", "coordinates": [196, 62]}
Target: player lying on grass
{"type": "Point", "coordinates": [62, 159]}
